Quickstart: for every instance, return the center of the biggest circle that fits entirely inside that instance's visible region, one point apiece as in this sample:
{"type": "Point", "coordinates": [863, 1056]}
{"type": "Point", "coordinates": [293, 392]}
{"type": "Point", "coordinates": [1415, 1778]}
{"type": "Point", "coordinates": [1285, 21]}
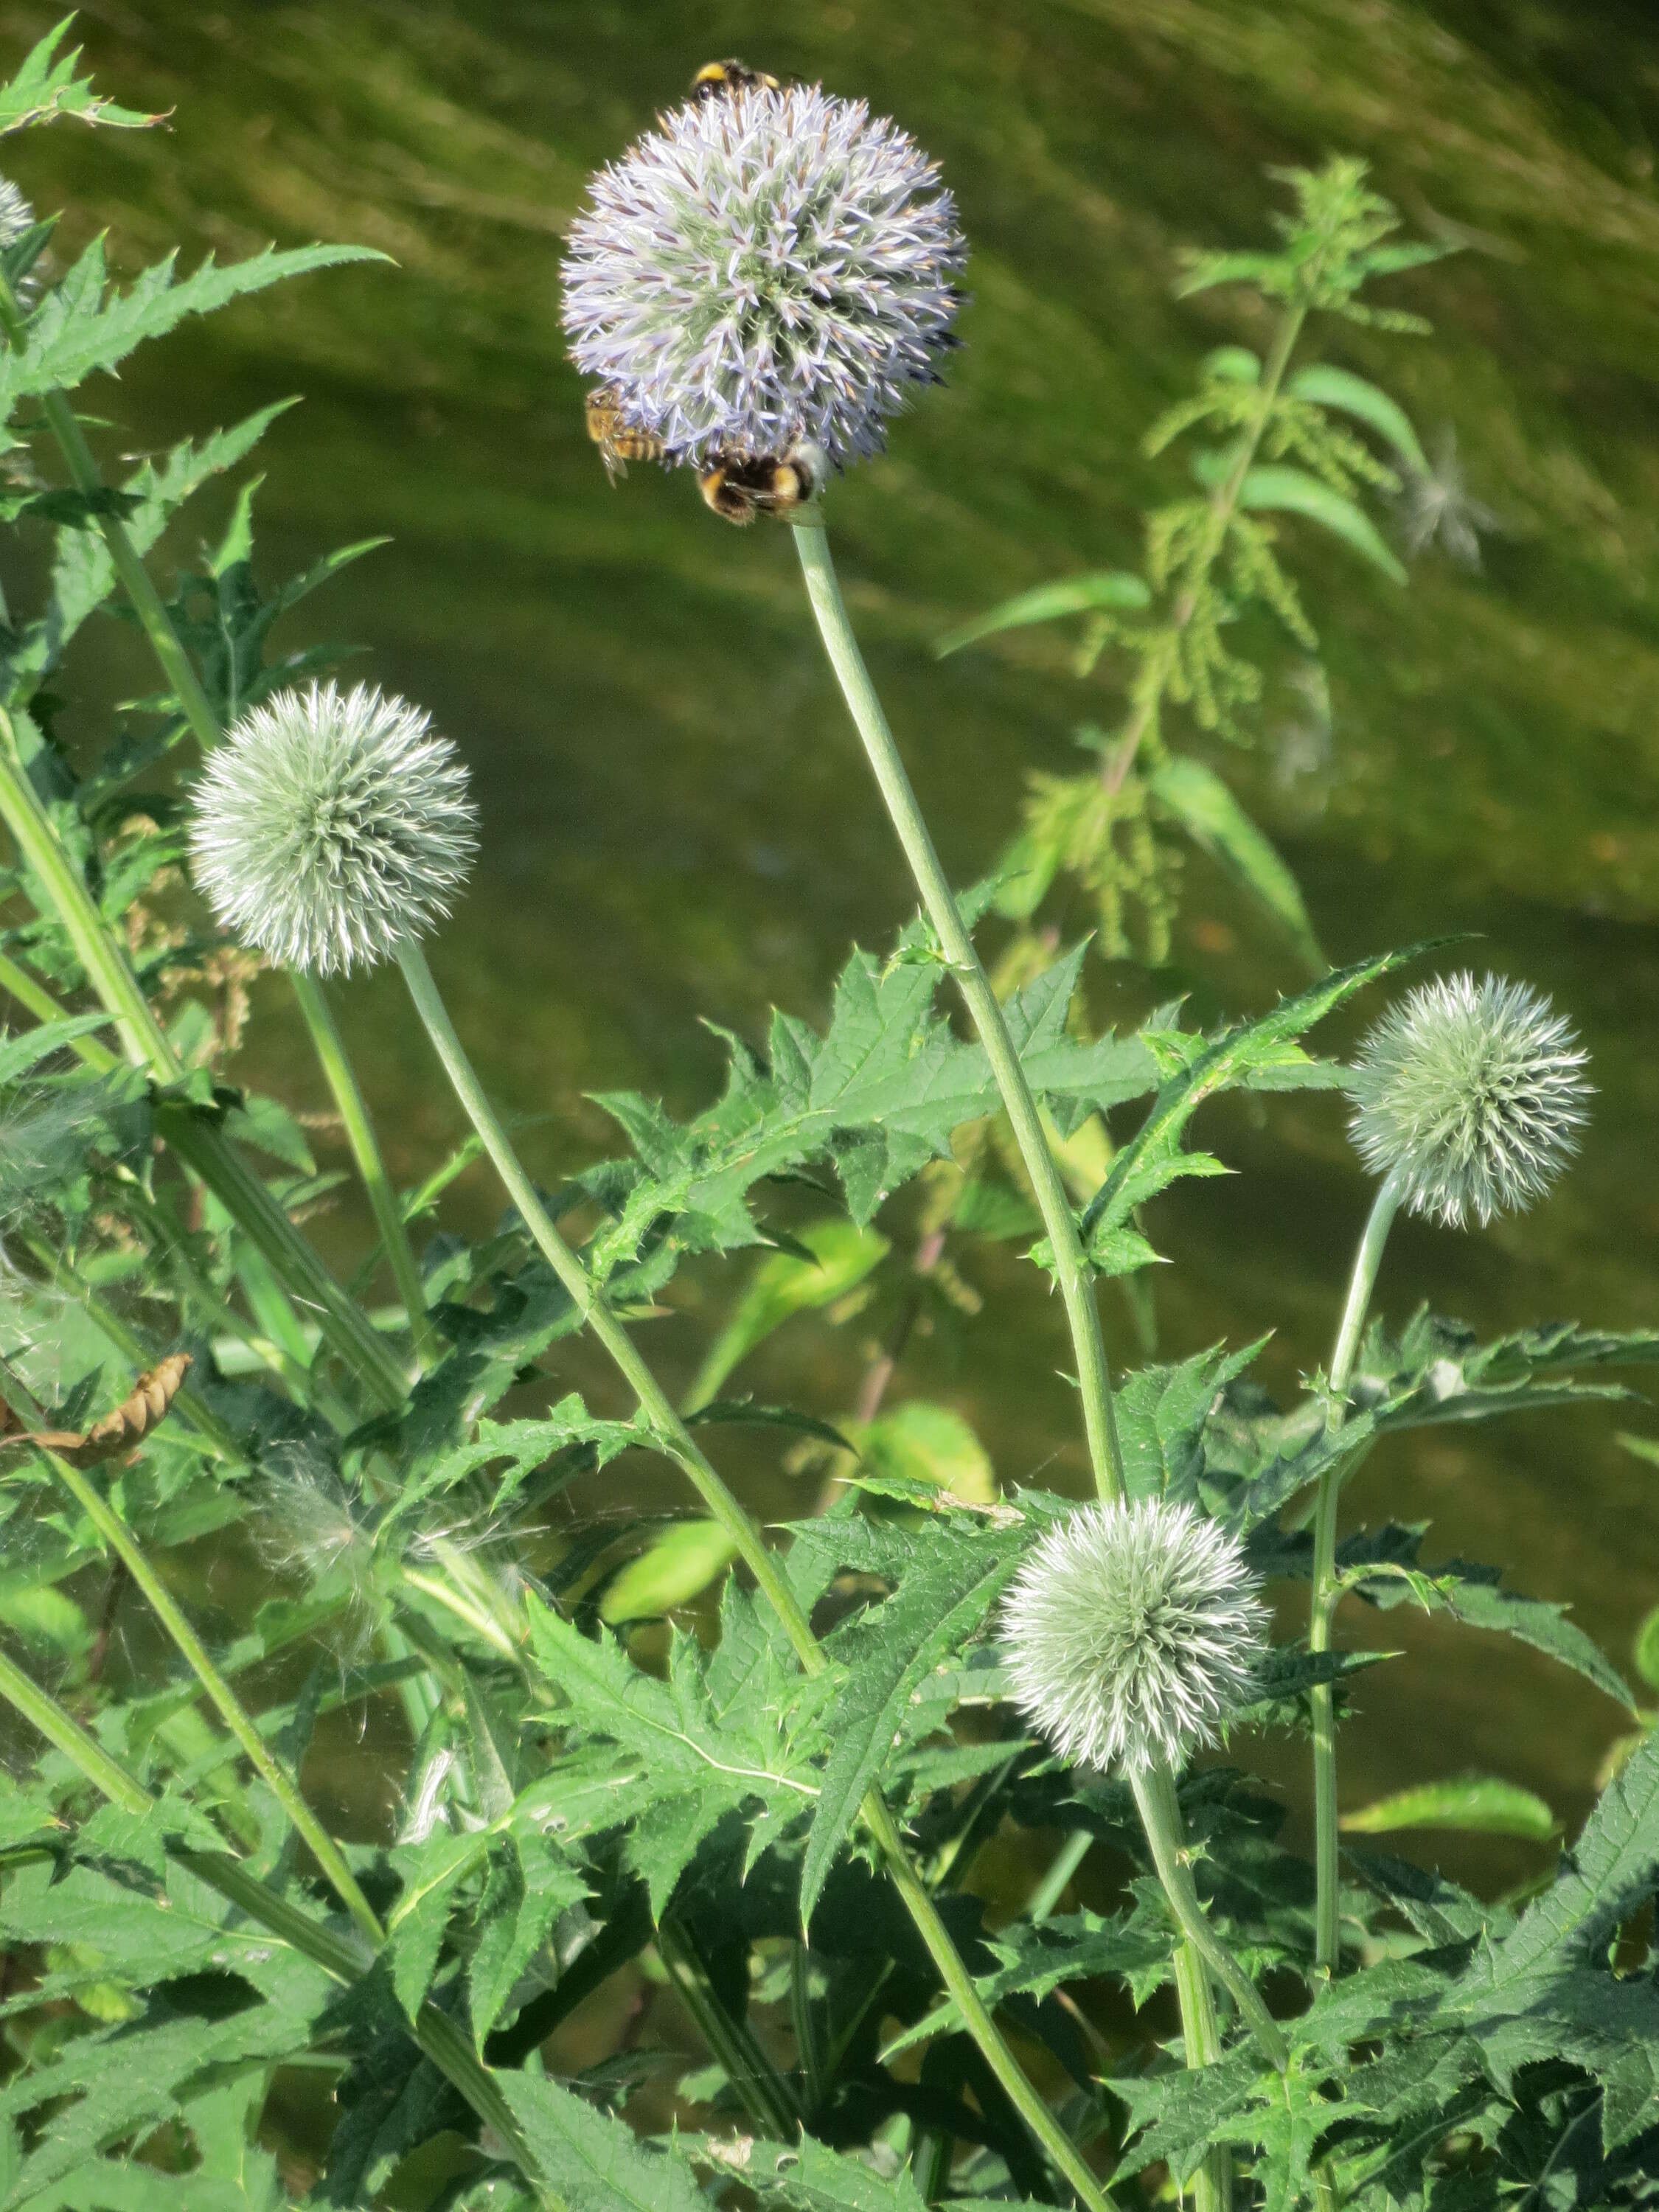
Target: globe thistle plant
{"type": "Point", "coordinates": [1134, 1632]}
{"type": "Point", "coordinates": [331, 830]}
{"type": "Point", "coordinates": [1471, 1095]}
{"type": "Point", "coordinates": [768, 269]}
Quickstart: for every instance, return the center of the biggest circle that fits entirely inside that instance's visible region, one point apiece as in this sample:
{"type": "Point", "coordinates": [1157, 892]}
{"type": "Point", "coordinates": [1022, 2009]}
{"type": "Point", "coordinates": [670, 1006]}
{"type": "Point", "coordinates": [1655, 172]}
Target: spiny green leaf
{"type": "Point", "coordinates": [1153, 1155]}
{"type": "Point", "coordinates": [1281, 489]}
{"type": "Point", "coordinates": [83, 325]}
{"type": "Point", "coordinates": [47, 87]}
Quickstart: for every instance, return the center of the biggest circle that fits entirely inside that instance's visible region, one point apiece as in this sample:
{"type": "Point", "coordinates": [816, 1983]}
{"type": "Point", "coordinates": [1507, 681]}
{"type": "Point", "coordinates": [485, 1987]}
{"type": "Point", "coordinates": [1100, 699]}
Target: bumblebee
{"type": "Point", "coordinates": [738, 490]}
{"type": "Point", "coordinates": [618, 442]}
{"type": "Point", "coordinates": [721, 80]}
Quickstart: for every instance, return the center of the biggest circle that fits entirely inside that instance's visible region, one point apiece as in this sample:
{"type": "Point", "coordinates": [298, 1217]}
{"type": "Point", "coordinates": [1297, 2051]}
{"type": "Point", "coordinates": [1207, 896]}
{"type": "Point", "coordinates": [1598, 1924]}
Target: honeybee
{"type": "Point", "coordinates": [618, 442]}
{"type": "Point", "coordinates": [719, 80]}
{"type": "Point", "coordinates": [739, 489]}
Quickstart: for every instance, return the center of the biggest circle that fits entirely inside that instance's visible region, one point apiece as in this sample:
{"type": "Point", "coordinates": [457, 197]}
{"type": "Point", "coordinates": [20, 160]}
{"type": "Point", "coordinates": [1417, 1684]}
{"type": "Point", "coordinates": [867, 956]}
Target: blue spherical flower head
{"type": "Point", "coordinates": [329, 830]}
{"type": "Point", "coordinates": [1134, 1634]}
{"type": "Point", "coordinates": [1473, 1094]}
{"type": "Point", "coordinates": [768, 270]}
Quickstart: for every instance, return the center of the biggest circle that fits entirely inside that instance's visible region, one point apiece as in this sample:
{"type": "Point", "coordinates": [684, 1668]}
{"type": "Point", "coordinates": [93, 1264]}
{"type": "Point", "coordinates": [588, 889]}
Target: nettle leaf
{"type": "Point", "coordinates": [834, 1256]}
{"type": "Point", "coordinates": [711, 1742]}
{"type": "Point", "coordinates": [1282, 489]}
{"type": "Point", "coordinates": [946, 1578]}
{"type": "Point", "coordinates": [1339, 388]}
{"type": "Point", "coordinates": [878, 1097]}
{"type": "Point", "coordinates": [1480, 1804]}
{"type": "Point", "coordinates": [1118, 589]}
{"type": "Point", "coordinates": [1198, 799]}
{"type": "Point", "coordinates": [84, 323]}
{"type": "Point", "coordinates": [1154, 1157]}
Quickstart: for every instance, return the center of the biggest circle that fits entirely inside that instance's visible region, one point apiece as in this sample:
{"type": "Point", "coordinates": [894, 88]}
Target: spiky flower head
{"type": "Point", "coordinates": [327, 829]}
{"type": "Point", "coordinates": [1133, 1633]}
{"type": "Point", "coordinates": [16, 215]}
{"type": "Point", "coordinates": [765, 270]}
{"type": "Point", "coordinates": [1473, 1094]}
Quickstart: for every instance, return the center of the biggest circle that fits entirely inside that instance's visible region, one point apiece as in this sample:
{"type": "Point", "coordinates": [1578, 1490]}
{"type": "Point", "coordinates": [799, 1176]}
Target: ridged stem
{"type": "Point", "coordinates": [1076, 1287]}
{"type": "Point", "coordinates": [230, 1709]}
{"type": "Point", "coordinates": [1328, 1949]}
{"type": "Point", "coordinates": [1071, 1268]}
{"type": "Point", "coordinates": [353, 1110]}
{"type": "Point", "coordinates": [677, 1442]}
{"type": "Point", "coordinates": [1160, 1816]}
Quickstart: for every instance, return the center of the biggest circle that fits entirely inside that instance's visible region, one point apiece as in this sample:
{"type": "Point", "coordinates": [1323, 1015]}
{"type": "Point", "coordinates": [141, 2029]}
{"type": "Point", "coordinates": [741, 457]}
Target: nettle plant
{"type": "Point", "coordinates": [775, 1807]}
{"type": "Point", "coordinates": [1268, 436]}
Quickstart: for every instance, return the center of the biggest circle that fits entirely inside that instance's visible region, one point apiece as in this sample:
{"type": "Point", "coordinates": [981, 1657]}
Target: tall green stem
{"type": "Point", "coordinates": [231, 1711]}
{"type": "Point", "coordinates": [1070, 1269]}
{"type": "Point", "coordinates": [353, 1109]}
{"type": "Point", "coordinates": [1326, 1590]}
{"type": "Point", "coordinates": [677, 1440]}
{"type": "Point", "coordinates": [1160, 1816]}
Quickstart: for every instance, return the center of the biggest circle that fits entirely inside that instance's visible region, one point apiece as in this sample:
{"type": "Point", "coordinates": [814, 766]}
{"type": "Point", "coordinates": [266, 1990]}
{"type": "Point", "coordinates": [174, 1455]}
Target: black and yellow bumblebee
{"type": "Point", "coordinates": [719, 80]}
{"type": "Point", "coordinates": [739, 489]}
{"type": "Point", "coordinates": [618, 442]}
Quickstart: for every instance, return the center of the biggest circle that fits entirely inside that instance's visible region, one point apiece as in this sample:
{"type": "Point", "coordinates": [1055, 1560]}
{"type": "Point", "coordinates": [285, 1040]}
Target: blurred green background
{"type": "Point", "coordinates": [675, 822]}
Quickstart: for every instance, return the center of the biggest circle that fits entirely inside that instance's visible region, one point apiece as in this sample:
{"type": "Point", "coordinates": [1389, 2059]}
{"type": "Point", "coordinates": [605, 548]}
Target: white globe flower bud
{"type": "Point", "coordinates": [329, 830]}
{"type": "Point", "coordinates": [1133, 1633]}
{"type": "Point", "coordinates": [1472, 1095]}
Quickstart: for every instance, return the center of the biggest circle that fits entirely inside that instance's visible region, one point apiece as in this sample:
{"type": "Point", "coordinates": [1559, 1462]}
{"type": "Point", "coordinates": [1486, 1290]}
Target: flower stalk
{"type": "Point", "coordinates": [677, 1442]}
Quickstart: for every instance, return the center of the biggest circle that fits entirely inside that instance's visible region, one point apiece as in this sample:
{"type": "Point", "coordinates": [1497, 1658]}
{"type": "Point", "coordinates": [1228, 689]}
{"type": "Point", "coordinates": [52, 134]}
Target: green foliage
{"type": "Point", "coordinates": [589, 1787]}
{"type": "Point", "coordinates": [1282, 442]}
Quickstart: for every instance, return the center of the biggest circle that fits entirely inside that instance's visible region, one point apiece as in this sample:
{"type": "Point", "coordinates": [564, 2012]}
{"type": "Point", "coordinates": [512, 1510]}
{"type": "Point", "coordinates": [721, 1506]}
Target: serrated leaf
{"type": "Point", "coordinates": [949, 1584]}
{"type": "Point", "coordinates": [46, 88]}
{"type": "Point", "coordinates": [707, 1745]}
{"type": "Point", "coordinates": [1161, 1414]}
{"type": "Point", "coordinates": [596, 2163]}
{"type": "Point", "coordinates": [1115, 588]}
{"type": "Point", "coordinates": [1480, 1803]}
{"type": "Point", "coordinates": [18, 1055]}
{"type": "Point", "coordinates": [522, 1898]}
{"type": "Point", "coordinates": [83, 325]}
{"type": "Point", "coordinates": [1284, 490]}
{"type": "Point", "coordinates": [1213, 818]}
{"type": "Point", "coordinates": [1353, 395]}
{"type": "Point", "coordinates": [1153, 1155]}
{"type": "Point", "coordinates": [806, 2176]}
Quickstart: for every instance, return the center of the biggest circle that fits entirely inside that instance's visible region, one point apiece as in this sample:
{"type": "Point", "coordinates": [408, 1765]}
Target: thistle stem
{"type": "Point", "coordinates": [1071, 1268]}
{"type": "Point", "coordinates": [353, 1109]}
{"type": "Point", "coordinates": [677, 1442]}
{"type": "Point", "coordinates": [230, 1709]}
{"type": "Point", "coordinates": [1160, 1816]}
{"type": "Point", "coordinates": [1326, 1590]}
